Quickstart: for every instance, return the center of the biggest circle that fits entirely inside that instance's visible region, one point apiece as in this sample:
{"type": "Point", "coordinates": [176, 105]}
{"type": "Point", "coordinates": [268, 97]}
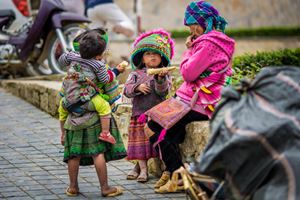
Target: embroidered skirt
{"type": "Point", "coordinates": [139, 147]}
{"type": "Point", "coordinates": [85, 144]}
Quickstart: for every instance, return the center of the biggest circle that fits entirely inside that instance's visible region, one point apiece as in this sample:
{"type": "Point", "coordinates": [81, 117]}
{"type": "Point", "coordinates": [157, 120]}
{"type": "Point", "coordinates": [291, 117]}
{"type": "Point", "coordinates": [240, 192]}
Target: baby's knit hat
{"type": "Point", "coordinates": [204, 14]}
{"type": "Point", "coordinates": [158, 41]}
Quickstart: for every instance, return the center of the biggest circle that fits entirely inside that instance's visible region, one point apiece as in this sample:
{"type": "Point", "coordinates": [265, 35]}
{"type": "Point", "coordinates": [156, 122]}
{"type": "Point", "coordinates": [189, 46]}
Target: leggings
{"type": "Point", "coordinates": [169, 147]}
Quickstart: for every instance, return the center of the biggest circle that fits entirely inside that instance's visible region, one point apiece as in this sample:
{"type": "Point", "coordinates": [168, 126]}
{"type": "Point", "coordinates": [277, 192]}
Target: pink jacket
{"type": "Point", "coordinates": [210, 53]}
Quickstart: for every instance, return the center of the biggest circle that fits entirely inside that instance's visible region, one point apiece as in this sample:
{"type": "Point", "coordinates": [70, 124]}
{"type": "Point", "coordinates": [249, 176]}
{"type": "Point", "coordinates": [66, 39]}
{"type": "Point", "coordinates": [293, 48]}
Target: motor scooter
{"type": "Point", "coordinates": [36, 46]}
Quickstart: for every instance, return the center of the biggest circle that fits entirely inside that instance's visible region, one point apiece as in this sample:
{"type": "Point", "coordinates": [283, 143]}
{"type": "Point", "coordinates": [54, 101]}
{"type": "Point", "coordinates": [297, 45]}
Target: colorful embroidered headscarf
{"type": "Point", "coordinates": [204, 14]}
{"type": "Point", "coordinates": [158, 41]}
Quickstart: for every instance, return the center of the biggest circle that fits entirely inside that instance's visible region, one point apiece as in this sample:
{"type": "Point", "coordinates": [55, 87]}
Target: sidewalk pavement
{"type": "Point", "coordinates": [31, 164]}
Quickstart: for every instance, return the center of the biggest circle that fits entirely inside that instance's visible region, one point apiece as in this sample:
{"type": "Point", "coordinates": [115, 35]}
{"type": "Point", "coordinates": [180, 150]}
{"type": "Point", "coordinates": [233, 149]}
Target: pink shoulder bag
{"type": "Point", "coordinates": [170, 111]}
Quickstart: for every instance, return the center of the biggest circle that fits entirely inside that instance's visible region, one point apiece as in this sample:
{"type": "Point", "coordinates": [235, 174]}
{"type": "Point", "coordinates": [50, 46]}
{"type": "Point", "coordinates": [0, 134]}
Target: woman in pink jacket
{"type": "Point", "coordinates": [206, 69]}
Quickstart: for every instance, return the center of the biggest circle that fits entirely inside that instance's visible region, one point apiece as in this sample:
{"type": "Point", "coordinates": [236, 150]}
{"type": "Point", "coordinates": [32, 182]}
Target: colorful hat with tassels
{"type": "Point", "coordinates": [158, 41]}
{"type": "Point", "coordinates": [204, 14]}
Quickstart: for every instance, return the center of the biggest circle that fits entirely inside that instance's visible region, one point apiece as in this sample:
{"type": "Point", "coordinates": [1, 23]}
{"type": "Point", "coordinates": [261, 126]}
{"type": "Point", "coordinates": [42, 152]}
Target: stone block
{"type": "Point", "coordinates": [45, 101]}
{"type": "Point", "coordinates": [122, 116]}
{"type": "Point", "coordinates": [195, 140]}
{"type": "Point", "coordinates": [35, 99]}
{"type": "Point", "coordinates": [28, 94]}
{"type": "Point", "coordinates": [155, 167]}
{"type": "Point", "coordinates": [54, 99]}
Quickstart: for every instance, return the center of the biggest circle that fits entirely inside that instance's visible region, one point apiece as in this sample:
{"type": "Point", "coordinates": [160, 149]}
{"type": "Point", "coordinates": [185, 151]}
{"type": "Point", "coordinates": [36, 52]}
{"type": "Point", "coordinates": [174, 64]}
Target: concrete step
{"type": "Point", "coordinates": [42, 94]}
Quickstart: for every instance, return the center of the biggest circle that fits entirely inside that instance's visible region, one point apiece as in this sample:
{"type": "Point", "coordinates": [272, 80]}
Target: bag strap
{"type": "Point", "coordinates": [194, 98]}
{"type": "Point", "coordinates": [92, 84]}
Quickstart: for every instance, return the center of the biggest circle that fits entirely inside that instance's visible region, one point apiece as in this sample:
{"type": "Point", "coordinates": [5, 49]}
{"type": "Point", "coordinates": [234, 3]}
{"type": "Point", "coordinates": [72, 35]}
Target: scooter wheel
{"type": "Point", "coordinates": [70, 31]}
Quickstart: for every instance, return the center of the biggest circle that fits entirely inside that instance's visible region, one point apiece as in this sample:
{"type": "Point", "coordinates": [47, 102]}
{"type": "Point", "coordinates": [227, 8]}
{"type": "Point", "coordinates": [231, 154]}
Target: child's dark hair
{"type": "Point", "coordinates": [76, 41]}
{"type": "Point", "coordinates": [141, 65]}
{"type": "Point", "coordinates": [91, 44]}
{"type": "Point", "coordinates": [78, 37]}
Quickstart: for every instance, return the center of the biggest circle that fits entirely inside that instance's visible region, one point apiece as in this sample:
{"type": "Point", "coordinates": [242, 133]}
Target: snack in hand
{"type": "Point", "coordinates": [124, 63]}
{"type": "Point", "coordinates": [158, 70]}
{"type": "Point", "coordinates": [122, 66]}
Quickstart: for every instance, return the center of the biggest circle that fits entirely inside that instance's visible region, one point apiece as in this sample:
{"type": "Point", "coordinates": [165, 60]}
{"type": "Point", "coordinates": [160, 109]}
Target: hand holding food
{"type": "Point", "coordinates": [160, 70]}
{"type": "Point", "coordinates": [122, 66]}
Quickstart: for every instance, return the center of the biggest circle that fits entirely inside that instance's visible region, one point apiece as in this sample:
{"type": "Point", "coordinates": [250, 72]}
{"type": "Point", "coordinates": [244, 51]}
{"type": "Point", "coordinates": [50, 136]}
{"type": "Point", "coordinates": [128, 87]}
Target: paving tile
{"type": "Point", "coordinates": [31, 156]}
{"type": "Point", "coordinates": [153, 196]}
{"type": "Point", "coordinates": [143, 191]}
{"type": "Point", "coordinates": [13, 194]}
{"type": "Point", "coordinates": [176, 195]}
{"type": "Point", "coordinates": [136, 186]}
{"type": "Point", "coordinates": [46, 197]}
{"type": "Point", "coordinates": [10, 189]}
{"type": "Point", "coordinates": [61, 186]}
{"type": "Point", "coordinates": [128, 195]}
{"type": "Point", "coordinates": [20, 198]}
{"type": "Point", "coordinates": [35, 186]}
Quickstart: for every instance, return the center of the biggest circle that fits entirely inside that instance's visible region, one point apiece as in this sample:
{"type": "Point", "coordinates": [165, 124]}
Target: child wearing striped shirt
{"type": "Point", "coordinates": [85, 73]}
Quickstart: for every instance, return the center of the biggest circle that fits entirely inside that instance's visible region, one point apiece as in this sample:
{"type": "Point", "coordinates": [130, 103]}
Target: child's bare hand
{"type": "Point", "coordinates": [143, 88]}
{"type": "Point", "coordinates": [189, 42]}
{"type": "Point", "coordinates": [122, 66]}
{"type": "Point", "coordinates": [62, 139]}
{"type": "Point", "coordinates": [163, 73]}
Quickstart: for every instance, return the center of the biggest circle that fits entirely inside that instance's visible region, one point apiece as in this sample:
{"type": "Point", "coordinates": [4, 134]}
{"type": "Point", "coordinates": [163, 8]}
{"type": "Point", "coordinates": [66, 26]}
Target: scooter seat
{"type": "Point", "coordinates": [7, 17]}
{"type": "Point", "coordinates": [8, 13]}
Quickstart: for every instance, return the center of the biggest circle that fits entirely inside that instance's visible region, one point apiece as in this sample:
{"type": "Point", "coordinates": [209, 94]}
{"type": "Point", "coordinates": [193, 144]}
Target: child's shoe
{"type": "Point", "coordinates": [107, 137]}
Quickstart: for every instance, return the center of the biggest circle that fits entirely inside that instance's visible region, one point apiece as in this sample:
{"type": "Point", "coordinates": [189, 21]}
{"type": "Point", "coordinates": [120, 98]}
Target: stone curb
{"type": "Point", "coordinates": [42, 94]}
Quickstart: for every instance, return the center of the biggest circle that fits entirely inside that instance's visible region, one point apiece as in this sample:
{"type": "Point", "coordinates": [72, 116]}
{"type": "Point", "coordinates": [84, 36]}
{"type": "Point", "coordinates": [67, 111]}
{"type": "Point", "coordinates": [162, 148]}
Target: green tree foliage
{"type": "Point", "coordinates": [249, 65]}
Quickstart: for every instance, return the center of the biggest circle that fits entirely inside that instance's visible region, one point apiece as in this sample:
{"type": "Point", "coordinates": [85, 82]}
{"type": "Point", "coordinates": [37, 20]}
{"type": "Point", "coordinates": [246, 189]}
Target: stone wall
{"type": "Point", "coordinates": [239, 13]}
{"type": "Point", "coordinates": [42, 94]}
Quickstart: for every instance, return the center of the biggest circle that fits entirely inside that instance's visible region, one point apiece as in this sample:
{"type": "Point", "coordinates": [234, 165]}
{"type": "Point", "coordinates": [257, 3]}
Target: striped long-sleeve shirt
{"type": "Point", "coordinates": [103, 75]}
